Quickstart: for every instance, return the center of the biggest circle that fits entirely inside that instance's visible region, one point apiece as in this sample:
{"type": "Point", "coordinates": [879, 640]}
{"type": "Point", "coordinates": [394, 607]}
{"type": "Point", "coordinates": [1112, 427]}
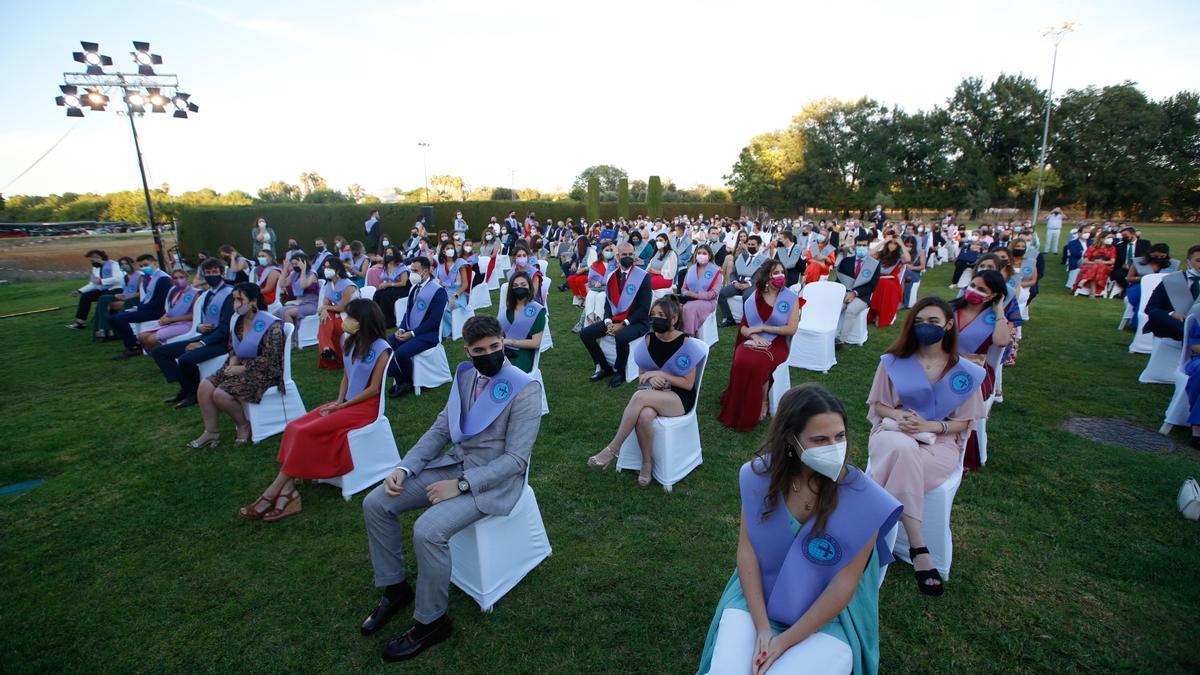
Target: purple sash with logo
{"type": "Point", "coordinates": [132, 283]}
{"type": "Point", "coordinates": [334, 291]}
{"type": "Point", "coordinates": [797, 567]}
{"type": "Point", "coordinates": [319, 260]}
{"type": "Point", "coordinates": [261, 273]}
{"type": "Point", "coordinates": [522, 321]}
{"type": "Point", "coordinates": [781, 314]}
{"type": "Point", "coordinates": [152, 283]}
{"type": "Point", "coordinates": [246, 347]}
{"type": "Point", "coordinates": [683, 361]}
{"type": "Point", "coordinates": [298, 290]}
{"type": "Point", "coordinates": [934, 402]}
{"type": "Point", "coordinates": [421, 303]}
{"type": "Point", "coordinates": [633, 283]}
{"type": "Point", "coordinates": [973, 336]}
{"type": "Point", "coordinates": [497, 394]}
{"type": "Point", "coordinates": [869, 265]}
{"type": "Point", "coordinates": [595, 277]}
{"type": "Point", "coordinates": [182, 303]}
{"type": "Point", "coordinates": [358, 371]}
{"type": "Point", "coordinates": [106, 270]}
{"type": "Point", "coordinates": [449, 279]}
{"type": "Point", "coordinates": [215, 301]}
{"type": "Point", "coordinates": [701, 282]}
{"type": "Point", "coordinates": [393, 277]}
{"type": "Point", "coordinates": [231, 273]}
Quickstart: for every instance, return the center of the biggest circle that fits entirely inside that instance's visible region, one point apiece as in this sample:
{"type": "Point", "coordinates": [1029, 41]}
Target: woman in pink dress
{"type": "Point", "coordinates": [699, 290]}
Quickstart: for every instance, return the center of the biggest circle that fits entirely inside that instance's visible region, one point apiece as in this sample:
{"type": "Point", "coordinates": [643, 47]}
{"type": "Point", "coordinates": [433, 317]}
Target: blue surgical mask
{"type": "Point", "coordinates": [608, 255]}
{"type": "Point", "coordinates": [213, 280]}
{"type": "Point", "coordinates": [820, 238]}
{"type": "Point", "coordinates": [928, 333]}
{"type": "Point", "coordinates": [147, 270]}
{"type": "Point", "coordinates": [860, 251]}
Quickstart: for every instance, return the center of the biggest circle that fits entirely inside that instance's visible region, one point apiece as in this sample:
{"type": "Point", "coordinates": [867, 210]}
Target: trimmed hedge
{"type": "Point", "coordinates": [654, 197]}
{"type": "Point", "coordinates": [593, 198]}
{"type": "Point", "coordinates": [623, 198]}
{"type": "Point", "coordinates": [208, 227]}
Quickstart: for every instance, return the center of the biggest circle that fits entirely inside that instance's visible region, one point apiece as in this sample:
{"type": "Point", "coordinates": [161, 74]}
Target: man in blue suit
{"type": "Point", "coordinates": [421, 327]}
{"type": "Point", "coordinates": [180, 361]}
{"type": "Point", "coordinates": [154, 286]}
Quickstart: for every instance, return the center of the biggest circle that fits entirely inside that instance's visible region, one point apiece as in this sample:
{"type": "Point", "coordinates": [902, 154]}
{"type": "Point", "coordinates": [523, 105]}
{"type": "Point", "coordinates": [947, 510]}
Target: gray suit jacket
{"type": "Point", "coordinates": [494, 460]}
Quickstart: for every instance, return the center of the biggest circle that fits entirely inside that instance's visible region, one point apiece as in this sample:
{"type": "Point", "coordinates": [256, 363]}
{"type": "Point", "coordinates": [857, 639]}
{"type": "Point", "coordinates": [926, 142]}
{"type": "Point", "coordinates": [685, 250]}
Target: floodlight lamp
{"type": "Point", "coordinates": [92, 58]}
{"type": "Point", "coordinates": [135, 98]}
{"type": "Point", "coordinates": [71, 101]}
{"type": "Point", "coordinates": [179, 102]}
{"type": "Point", "coordinates": [96, 98]}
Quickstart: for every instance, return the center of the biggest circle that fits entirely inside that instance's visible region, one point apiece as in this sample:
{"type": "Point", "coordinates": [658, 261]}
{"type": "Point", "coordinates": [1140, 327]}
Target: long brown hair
{"type": "Point", "coordinates": [906, 343]}
{"type": "Point", "coordinates": [889, 258]}
{"type": "Point", "coordinates": [762, 277]}
{"type": "Point", "coordinates": [799, 405]}
{"type": "Point", "coordinates": [370, 326]}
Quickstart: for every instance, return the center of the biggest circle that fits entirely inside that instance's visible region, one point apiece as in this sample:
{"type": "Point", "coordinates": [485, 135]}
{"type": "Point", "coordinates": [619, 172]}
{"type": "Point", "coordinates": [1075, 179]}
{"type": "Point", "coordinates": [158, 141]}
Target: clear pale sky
{"type": "Point", "coordinates": [543, 87]}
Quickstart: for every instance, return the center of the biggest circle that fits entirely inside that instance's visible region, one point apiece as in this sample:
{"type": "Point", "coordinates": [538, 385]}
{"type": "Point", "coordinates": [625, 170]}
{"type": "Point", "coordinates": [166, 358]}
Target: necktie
{"type": "Point", "coordinates": [1195, 286]}
{"type": "Point", "coordinates": [480, 384]}
{"type": "Point", "coordinates": [858, 267]}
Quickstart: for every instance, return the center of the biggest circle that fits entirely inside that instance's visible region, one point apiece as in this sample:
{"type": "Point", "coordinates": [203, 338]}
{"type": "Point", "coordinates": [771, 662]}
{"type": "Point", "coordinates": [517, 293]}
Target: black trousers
{"type": "Point", "coordinates": [86, 299]}
{"type": "Point", "coordinates": [960, 266]}
{"type": "Point", "coordinates": [120, 324]}
{"type": "Point", "coordinates": [182, 366]}
{"type": "Point", "coordinates": [386, 299]}
{"type": "Point", "coordinates": [591, 336]}
{"type": "Point", "coordinates": [373, 240]}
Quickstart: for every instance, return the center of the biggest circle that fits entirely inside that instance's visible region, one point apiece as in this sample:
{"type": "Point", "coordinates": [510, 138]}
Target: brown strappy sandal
{"type": "Point", "coordinates": [250, 512]}
{"type": "Point", "coordinates": [291, 506]}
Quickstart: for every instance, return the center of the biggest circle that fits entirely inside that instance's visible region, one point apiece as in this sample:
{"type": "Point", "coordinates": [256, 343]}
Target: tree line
{"type": "Point", "coordinates": [1112, 150]}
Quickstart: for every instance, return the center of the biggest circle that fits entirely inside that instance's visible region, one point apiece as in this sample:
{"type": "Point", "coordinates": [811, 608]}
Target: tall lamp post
{"type": "Point", "coordinates": [140, 90]}
{"type": "Point", "coordinates": [1058, 33]}
{"type": "Point", "coordinates": [425, 165]}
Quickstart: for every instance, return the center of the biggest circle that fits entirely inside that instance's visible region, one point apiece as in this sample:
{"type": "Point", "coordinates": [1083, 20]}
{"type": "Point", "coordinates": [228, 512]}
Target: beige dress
{"type": "Point", "coordinates": [908, 469]}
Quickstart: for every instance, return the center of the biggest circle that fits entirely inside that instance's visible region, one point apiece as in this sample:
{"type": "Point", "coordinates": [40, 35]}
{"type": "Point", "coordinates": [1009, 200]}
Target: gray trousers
{"type": "Point", "coordinates": [727, 292]}
{"type": "Point", "coordinates": [1051, 243]}
{"type": "Point", "coordinates": [850, 314]}
{"type": "Point", "coordinates": [431, 537]}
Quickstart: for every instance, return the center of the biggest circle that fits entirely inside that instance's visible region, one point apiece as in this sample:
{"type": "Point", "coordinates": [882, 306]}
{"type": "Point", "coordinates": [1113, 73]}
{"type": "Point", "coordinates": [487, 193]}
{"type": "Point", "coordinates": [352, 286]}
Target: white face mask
{"type": "Point", "coordinates": [449, 253]}
{"type": "Point", "coordinates": [467, 249]}
{"type": "Point", "coordinates": [329, 273]}
{"type": "Point", "coordinates": [702, 259]}
{"type": "Point", "coordinates": [262, 223]}
{"type": "Point", "coordinates": [660, 244]}
{"type": "Point", "coordinates": [826, 460]}
{"type": "Point", "coordinates": [415, 278]}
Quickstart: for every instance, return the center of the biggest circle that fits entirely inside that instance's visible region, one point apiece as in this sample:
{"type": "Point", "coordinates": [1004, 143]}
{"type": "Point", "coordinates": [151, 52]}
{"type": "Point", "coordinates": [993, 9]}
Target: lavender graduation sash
{"type": "Point", "coordinates": [358, 371]}
{"type": "Point", "coordinates": [418, 305]}
{"type": "Point", "coordinates": [297, 281]}
{"type": "Point", "coordinates": [334, 291]}
{"type": "Point", "coordinates": [595, 277]}
{"type": "Point", "coordinates": [781, 314]}
{"type": "Point", "coordinates": [499, 392]}
{"type": "Point", "coordinates": [1179, 292]}
{"type": "Point", "coordinates": [319, 260]}
{"type": "Point", "coordinates": [935, 401]}
{"type": "Point", "coordinates": [972, 336]}
{"type": "Point", "coordinates": [182, 304]}
{"type": "Point", "coordinates": [700, 282]}
{"type": "Point", "coordinates": [147, 291]}
{"type": "Point", "coordinates": [261, 273]}
{"type": "Point", "coordinates": [797, 567]}
{"type": "Point", "coordinates": [215, 301]}
{"type": "Point", "coordinates": [522, 321]}
{"type": "Point", "coordinates": [449, 279]}
{"type": "Point", "coordinates": [869, 265]}
{"type": "Point", "coordinates": [232, 273]}
{"type": "Point", "coordinates": [246, 347]}
{"type": "Point", "coordinates": [633, 283]}
{"type": "Point", "coordinates": [683, 361]}
{"type": "Point", "coordinates": [393, 277]}
{"type": "Point", "coordinates": [133, 283]}
{"type": "Point", "coordinates": [107, 269]}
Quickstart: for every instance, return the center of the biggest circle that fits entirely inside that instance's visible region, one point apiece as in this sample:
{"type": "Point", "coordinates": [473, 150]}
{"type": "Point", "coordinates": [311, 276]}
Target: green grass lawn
{"type": "Point", "coordinates": [1069, 556]}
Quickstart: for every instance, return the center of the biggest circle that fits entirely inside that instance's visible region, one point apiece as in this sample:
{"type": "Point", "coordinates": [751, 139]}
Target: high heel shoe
{"type": "Point", "coordinates": [248, 440]}
{"type": "Point", "coordinates": [597, 460]}
{"type": "Point", "coordinates": [209, 443]}
{"type": "Point", "coordinates": [291, 506]}
{"type": "Point", "coordinates": [645, 479]}
{"type": "Point", "coordinates": [251, 512]}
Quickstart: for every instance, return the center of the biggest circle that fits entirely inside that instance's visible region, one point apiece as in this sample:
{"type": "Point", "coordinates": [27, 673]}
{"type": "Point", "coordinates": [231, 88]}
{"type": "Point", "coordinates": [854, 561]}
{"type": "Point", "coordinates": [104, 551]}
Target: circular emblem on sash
{"type": "Point", "coordinates": [501, 391]}
{"type": "Point", "coordinates": [683, 361]}
{"type": "Point", "coordinates": [631, 288]}
{"type": "Point", "coordinates": [709, 274]}
{"type": "Point", "coordinates": [990, 319]}
{"type": "Point", "coordinates": [822, 550]}
{"type": "Point", "coordinates": [961, 383]}
{"type": "Point", "coordinates": [785, 306]}
{"type": "Point", "coordinates": [421, 305]}
{"type": "Point", "coordinates": [1027, 271]}
{"type": "Point", "coordinates": [370, 357]}
{"type": "Point", "coordinates": [214, 309]}
{"type": "Point", "coordinates": [259, 325]}
{"type": "Point", "coordinates": [530, 310]}
{"type": "Point", "coordinates": [1011, 283]}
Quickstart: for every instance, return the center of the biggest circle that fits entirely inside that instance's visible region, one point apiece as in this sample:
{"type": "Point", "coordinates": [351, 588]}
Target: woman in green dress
{"type": "Point", "coordinates": [523, 320]}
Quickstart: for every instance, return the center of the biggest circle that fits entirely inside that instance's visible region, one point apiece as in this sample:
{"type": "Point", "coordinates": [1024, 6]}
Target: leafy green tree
{"type": "Point", "coordinates": [593, 198]}
{"type": "Point", "coordinates": [623, 198]}
{"type": "Point", "coordinates": [327, 196]}
{"type": "Point", "coordinates": [280, 191]}
{"type": "Point", "coordinates": [608, 176]}
{"type": "Point", "coordinates": [654, 197]}
{"type": "Point", "coordinates": [311, 181]}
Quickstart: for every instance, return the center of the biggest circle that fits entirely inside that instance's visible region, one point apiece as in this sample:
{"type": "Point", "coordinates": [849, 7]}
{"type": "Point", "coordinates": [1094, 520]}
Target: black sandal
{"type": "Point", "coordinates": [923, 576]}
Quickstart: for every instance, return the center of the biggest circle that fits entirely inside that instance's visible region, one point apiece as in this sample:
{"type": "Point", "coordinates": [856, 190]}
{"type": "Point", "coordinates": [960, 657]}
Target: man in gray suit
{"type": "Point", "coordinates": [490, 421]}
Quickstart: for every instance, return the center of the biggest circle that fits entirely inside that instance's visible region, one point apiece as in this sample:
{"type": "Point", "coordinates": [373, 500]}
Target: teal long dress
{"type": "Point", "coordinates": [857, 625]}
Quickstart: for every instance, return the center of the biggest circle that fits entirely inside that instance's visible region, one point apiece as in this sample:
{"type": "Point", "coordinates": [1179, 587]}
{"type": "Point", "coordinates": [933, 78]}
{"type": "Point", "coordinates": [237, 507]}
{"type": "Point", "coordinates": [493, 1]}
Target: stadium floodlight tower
{"type": "Point", "coordinates": [140, 91]}
{"type": "Point", "coordinates": [1058, 34]}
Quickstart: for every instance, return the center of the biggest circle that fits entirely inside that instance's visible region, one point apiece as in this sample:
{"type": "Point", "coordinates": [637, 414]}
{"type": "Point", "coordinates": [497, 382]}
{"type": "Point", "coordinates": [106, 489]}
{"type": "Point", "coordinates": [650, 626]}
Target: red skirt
{"type": "Point", "coordinates": [885, 301]}
{"type": "Point", "coordinates": [659, 282]}
{"type": "Point", "coordinates": [578, 284]}
{"type": "Point", "coordinates": [329, 336]}
{"type": "Point", "coordinates": [741, 404]}
{"type": "Point", "coordinates": [971, 458]}
{"type": "Point", "coordinates": [315, 446]}
{"type": "Point", "coordinates": [816, 271]}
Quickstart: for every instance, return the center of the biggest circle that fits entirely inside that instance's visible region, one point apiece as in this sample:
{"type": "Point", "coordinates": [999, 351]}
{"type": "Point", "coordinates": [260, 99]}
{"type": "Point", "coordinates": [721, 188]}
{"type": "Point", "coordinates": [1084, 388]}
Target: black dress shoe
{"type": "Point", "coordinates": [414, 640]}
{"type": "Point", "coordinates": [727, 323]}
{"type": "Point", "coordinates": [602, 375]}
{"type": "Point", "coordinates": [400, 389]}
{"type": "Point", "coordinates": [186, 402]}
{"type": "Point", "coordinates": [616, 380]}
{"type": "Point", "coordinates": [385, 610]}
{"type": "Point", "coordinates": [179, 396]}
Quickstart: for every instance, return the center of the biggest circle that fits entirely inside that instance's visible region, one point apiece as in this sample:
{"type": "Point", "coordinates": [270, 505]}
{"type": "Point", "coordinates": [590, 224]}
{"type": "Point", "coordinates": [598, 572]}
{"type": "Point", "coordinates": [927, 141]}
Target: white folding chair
{"type": "Point", "coordinates": [480, 297]}
{"type": "Point", "coordinates": [197, 310]}
{"type": "Point", "coordinates": [536, 373]}
{"type": "Point", "coordinates": [813, 344]}
{"type": "Point", "coordinates": [431, 369]}
{"type": "Point", "coordinates": [858, 332]}
{"type": "Point", "coordinates": [271, 414]}
{"type": "Point", "coordinates": [373, 452]}
{"type": "Point", "coordinates": [503, 263]}
{"type": "Point", "coordinates": [1023, 303]}
{"type": "Point", "coordinates": [1163, 363]}
{"type": "Point", "coordinates": [212, 365]}
{"type": "Point", "coordinates": [911, 299]}
{"type": "Point", "coordinates": [493, 554]}
{"type": "Point", "coordinates": [608, 345]}
{"type": "Point", "coordinates": [310, 325]}
{"type": "Point", "coordinates": [367, 292]}
{"type": "Point", "coordinates": [1071, 277]}
{"type": "Point", "coordinates": [935, 523]}
{"type": "Point", "coordinates": [781, 382]}
{"type": "Point", "coordinates": [676, 450]}
{"type": "Point", "coordinates": [1143, 342]}
{"type": "Point", "coordinates": [458, 317]}
{"type": "Point", "coordinates": [708, 330]}
{"type": "Point", "coordinates": [1180, 408]}
{"type": "Point", "coordinates": [660, 293]}
{"type": "Point", "coordinates": [737, 305]}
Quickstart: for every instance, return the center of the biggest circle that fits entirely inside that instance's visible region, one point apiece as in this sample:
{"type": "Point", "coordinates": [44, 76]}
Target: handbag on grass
{"type": "Point", "coordinates": [1189, 499]}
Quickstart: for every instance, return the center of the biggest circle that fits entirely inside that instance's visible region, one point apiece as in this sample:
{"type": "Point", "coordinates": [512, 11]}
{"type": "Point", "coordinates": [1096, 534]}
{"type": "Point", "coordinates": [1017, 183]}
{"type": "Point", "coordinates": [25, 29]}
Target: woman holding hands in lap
{"type": "Point", "coordinates": [523, 320]}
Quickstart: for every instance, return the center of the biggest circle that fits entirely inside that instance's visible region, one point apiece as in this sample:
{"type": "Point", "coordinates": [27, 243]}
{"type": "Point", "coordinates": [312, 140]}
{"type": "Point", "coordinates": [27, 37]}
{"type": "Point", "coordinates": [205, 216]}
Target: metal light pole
{"type": "Point", "coordinates": [141, 90]}
{"type": "Point", "coordinates": [512, 183]}
{"type": "Point", "coordinates": [1058, 34]}
{"type": "Point", "coordinates": [425, 164]}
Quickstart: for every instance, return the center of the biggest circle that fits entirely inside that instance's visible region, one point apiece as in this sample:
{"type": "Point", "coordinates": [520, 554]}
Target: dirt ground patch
{"type": "Point", "coordinates": [45, 258]}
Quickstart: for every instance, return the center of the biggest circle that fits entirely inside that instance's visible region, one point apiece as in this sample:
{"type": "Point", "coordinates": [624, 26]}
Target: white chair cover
{"type": "Point", "coordinates": [813, 344]}
{"type": "Point", "coordinates": [367, 292]}
{"type": "Point", "coordinates": [935, 523]}
{"type": "Point", "coordinates": [676, 450]}
{"type": "Point", "coordinates": [373, 451]}
{"type": "Point", "coordinates": [309, 325]}
{"type": "Point", "coordinates": [782, 382]}
{"type": "Point", "coordinates": [1180, 408]}
{"type": "Point", "coordinates": [1071, 277]}
{"type": "Point", "coordinates": [503, 263]}
{"type": "Point", "coordinates": [1143, 343]}
{"type": "Point", "coordinates": [1127, 316]}
{"type": "Point", "coordinates": [480, 297]}
{"type": "Point", "coordinates": [1163, 363]}
{"type": "Point", "coordinates": [536, 374]}
{"type": "Point", "coordinates": [271, 414]}
{"type": "Point", "coordinates": [608, 345]}
{"type": "Point", "coordinates": [212, 365]}
{"type": "Point", "coordinates": [912, 294]}
{"type": "Point", "coordinates": [1022, 303]}
{"type": "Point", "coordinates": [458, 317]}
{"type": "Point", "coordinates": [858, 332]}
{"type": "Point", "coordinates": [191, 334]}
{"type": "Point", "coordinates": [708, 330]}
{"type": "Point", "coordinates": [736, 306]}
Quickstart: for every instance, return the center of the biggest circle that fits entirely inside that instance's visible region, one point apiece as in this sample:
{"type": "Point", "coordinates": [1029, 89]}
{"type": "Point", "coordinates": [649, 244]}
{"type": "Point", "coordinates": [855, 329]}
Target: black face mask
{"type": "Point", "coordinates": [293, 245]}
{"type": "Point", "coordinates": [489, 364]}
{"type": "Point", "coordinates": [320, 249]}
{"type": "Point", "coordinates": [627, 261]}
{"type": "Point", "coordinates": [1158, 261]}
{"type": "Point", "coordinates": [97, 265]}
{"type": "Point", "coordinates": [1019, 252]}
{"type": "Point", "coordinates": [389, 259]}
{"type": "Point", "coordinates": [659, 324]}
{"type": "Point", "coordinates": [520, 293]}
{"type": "Point", "coordinates": [752, 250]}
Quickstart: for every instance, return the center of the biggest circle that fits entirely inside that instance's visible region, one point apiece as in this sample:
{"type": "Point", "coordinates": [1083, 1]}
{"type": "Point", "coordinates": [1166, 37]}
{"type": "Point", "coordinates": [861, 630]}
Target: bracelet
{"type": "Point", "coordinates": [945, 427]}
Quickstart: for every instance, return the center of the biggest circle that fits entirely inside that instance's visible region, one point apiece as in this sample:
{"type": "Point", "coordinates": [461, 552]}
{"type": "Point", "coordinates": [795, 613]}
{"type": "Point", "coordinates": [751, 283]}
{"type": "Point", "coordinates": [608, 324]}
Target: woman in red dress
{"type": "Point", "coordinates": [579, 282]}
{"type": "Point", "coordinates": [1093, 274]}
{"type": "Point", "coordinates": [315, 446]}
{"type": "Point", "coordinates": [761, 346]}
{"type": "Point", "coordinates": [267, 276]}
{"type": "Point", "coordinates": [889, 292]}
{"type": "Point", "coordinates": [820, 257]}
{"type": "Point", "coordinates": [338, 291]}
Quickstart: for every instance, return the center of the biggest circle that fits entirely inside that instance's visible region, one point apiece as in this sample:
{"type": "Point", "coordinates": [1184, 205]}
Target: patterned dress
{"type": "Point", "coordinates": [262, 372]}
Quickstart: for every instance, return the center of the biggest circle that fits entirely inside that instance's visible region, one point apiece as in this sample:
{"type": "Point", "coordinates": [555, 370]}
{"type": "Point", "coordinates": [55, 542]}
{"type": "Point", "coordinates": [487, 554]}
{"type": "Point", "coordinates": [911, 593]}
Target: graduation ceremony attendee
{"type": "Point", "coordinates": [180, 361]}
{"type": "Point", "coordinates": [1054, 221]}
{"type": "Point", "coordinates": [983, 322]}
{"type": "Point", "coordinates": [263, 237]}
{"type": "Point", "coordinates": [421, 326]}
{"type": "Point", "coordinates": [739, 273]}
{"type": "Point", "coordinates": [524, 261]}
{"type": "Point", "coordinates": [339, 290]}
{"type": "Point", "coordinates": [626, 316]}
{"type": "Point", "coordinates": [523, 321]}
{"type": "Point", "coordinates": [667, 361]}
{"type": "Point", "coordinates": [391, 285]}
{"type": "Point", "coordinates": [357, 264]}
{"type": "Point", "coordinates": [811, 546]}
{"type": "Point", "coordinates": [914, 267]}
{"type": "Point", "coordinates": [454, 274]}
{"type": "Point", "coordinates": [300, 289]}
{"type": "Point", "coordinates": [1173, 299]}
{"type": "Point", "coordinates": [153, 287]}
{"type": "Point", "coordinates": [107, 278]}
{"type": "Point", "coordinates": [490, 422]}
{"type": "Point", "coordinates": [819, 256]}
{"type": "Point", "coordinates": [237, 268]}
{"type": "Point", "coordinates": [320, 254]}
{"type": "Point", "coordinates": [1157, 260]}
{"type": "Point", "coordinates": [771, 315]}
{"type": "Point", "coordinates": [1075, 250]}
{"type": "Point", "coordinates": [293, 248]}
{"type": "Point", "coordinates": [702, 282]}
{"type": "Point", "coordinates": [859, 273]}
{"type": "Point", "coordinates": [1129, 247]}
{"type": "Point", "coordinates": [315, 446]}
{"type": "Point", "coordinates": [1191, 351]}
{"type": "Point", "coordinates": [642, 250]}
{"type": "Point", "coordinates": [662, 264]}
{"type": "Point", "coordinates": [791, 255]}
{"type": "Point", "coordinates": [374, 231]}
{"type": "Point", "coordinates": [1097, 266]}
{"type": "Point", "coordinates": [112, 302]}
{"type": "Point", "coordinates": [267, 275]}
{"type": "Point", "coordinates": [493, 249]}
{"type": "Point", "coordinates": [923, 404]}
{"type": "Point", "coordinates": [177, 317]}
{"type": "Point", "coordinates": [255, 365]}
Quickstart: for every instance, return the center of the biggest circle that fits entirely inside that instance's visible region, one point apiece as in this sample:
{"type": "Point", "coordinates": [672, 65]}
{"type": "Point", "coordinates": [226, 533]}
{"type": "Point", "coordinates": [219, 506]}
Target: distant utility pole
{"type": "Point", "coordinates": [425, 164]}
{"type": "Point", "coordinates": [512, 183]}
{"type": "Point", "coordinates": [1059, 34]}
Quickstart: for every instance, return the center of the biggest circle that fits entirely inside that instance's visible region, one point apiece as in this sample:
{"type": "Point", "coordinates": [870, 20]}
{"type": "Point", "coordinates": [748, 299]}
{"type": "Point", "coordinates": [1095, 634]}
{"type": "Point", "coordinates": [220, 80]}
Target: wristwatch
{"type": "Point", "coordinates": [463, 486]}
